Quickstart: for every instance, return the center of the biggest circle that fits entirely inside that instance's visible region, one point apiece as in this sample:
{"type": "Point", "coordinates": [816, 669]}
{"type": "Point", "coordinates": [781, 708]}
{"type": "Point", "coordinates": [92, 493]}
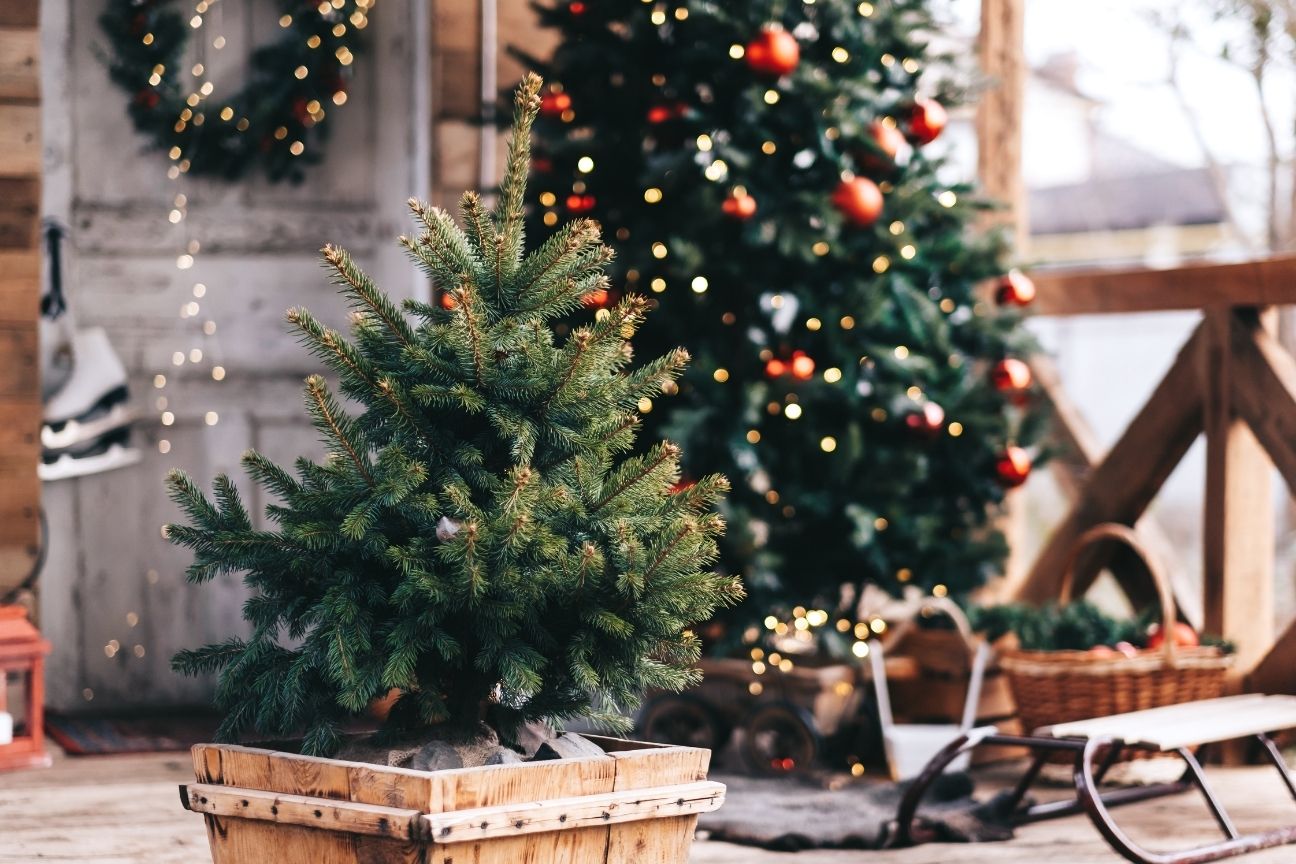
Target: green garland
{"type": "Point", "coordinates": [277, 119]}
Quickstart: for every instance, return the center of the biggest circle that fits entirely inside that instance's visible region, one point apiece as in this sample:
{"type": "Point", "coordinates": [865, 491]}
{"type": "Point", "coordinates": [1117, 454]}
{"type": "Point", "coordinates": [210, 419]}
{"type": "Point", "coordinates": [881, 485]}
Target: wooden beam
{"type": "Point", "coordinates": [1265, 282]}
{"type": "Point", "coordinates": [1273, 674]}
{"type": "Point", "coordinates": [1238, 575]}
{"type": "Point", "coordinates": [1129, 476]}
{"type": "Point", "coordinates": [1264, 393]}
{"type": "Point", "coordinates": [999, 113]}
{"type": "Point", "coordinates": [1071, 469]}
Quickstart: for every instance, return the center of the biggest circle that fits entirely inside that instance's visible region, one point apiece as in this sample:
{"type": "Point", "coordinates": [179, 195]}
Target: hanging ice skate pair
{"type": "Point", "coordinates": [87, 414]}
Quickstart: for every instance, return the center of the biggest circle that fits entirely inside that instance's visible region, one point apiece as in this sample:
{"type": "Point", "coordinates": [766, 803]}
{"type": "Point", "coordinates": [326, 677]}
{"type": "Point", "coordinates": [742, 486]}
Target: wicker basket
{"type": "Point", "coordinates": [1052, 687]}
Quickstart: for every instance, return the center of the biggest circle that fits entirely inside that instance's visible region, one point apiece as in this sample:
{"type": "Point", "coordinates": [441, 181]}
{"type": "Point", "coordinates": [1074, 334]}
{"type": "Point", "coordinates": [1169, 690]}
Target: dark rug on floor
{"type": "Point", "coordinates": [151, 732]}
{"type": "Point", "coordinates": [787, 815]}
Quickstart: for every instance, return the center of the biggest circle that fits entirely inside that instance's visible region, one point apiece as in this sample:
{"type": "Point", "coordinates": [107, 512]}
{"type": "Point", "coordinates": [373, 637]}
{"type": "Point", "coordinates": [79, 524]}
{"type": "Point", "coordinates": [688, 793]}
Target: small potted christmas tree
{"type": "Point", "coordinates": [481, 542]}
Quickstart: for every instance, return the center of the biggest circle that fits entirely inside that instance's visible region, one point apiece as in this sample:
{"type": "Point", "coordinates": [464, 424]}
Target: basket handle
{"type": "Point", "coordinates": [1128, 536]}
{"type": "Point", "coordinates": [929, 606]}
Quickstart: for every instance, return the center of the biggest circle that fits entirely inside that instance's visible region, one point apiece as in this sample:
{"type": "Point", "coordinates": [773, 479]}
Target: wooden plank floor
{"type": "Point", "coordinates": [125, 810]}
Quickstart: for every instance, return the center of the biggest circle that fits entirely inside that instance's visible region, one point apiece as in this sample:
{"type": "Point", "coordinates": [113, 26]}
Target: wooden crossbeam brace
{"type": "Point", "coordinates": [1127, 479]}
{"type": "Point", "coordinates": [1265, 282]}
{"type": "Point", "coordinates": [1070, 470]}
{"type": "Point", "coordinates": [1264, 392]}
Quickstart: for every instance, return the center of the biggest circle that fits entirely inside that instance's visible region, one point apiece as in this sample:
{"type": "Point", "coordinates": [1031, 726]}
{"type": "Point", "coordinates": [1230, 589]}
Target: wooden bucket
{"type": "Point", "coordinates": [641, 805]}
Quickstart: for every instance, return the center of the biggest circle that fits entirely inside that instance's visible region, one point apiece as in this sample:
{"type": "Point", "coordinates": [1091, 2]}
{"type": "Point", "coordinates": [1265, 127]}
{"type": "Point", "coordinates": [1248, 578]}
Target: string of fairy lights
{"type": "Point", "coordinates": [200, 344]}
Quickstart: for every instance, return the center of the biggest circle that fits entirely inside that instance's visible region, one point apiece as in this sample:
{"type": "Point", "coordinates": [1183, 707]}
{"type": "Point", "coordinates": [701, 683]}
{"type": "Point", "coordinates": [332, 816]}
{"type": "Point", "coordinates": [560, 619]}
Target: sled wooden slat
{"type": "Point", "coordinates": [304, 810]}
{"type": "Point", "coordinates": [1189, 724]}
{"type": "Point", "coordinates": [633, 805]}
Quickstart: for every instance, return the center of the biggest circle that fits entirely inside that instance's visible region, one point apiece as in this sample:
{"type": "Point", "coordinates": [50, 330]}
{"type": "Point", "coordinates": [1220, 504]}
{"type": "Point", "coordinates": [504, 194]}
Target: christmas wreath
{"type": "Point", "coordinates": [277, 118]}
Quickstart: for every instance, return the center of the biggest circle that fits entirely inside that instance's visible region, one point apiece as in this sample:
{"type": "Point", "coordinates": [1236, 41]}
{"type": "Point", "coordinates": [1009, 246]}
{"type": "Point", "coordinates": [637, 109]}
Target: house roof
{"type": "Point", "coordinates": [1174, 196]}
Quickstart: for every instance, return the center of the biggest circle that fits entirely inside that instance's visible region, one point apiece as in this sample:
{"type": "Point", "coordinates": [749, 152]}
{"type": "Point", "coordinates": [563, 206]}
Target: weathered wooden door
{"type": "Point", "coordinates": [113, 598]}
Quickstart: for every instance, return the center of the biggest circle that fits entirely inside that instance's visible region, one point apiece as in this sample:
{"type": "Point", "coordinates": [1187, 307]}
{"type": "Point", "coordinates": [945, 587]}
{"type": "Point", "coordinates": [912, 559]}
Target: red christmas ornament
{"type": "Point", "coordinates": [774, 52]}
{"type": "Point", "coordinates": [927, 119]}
{"type": "Point", "coordinates": [580, 203]}
{"type": "Point", "coordinates": [1013, 466]}
{"type": "Point", "coordinates": [447, 302]}
{"type": "Point", "coordinates": [775, 368]}
{"type": "Point", "coordinates": [596, 299]}
{"type": "Point", "coordinates": [927, 420]}
{"type": "Point", "coordinates": [659, 114]}
{"type": "Point", "coordinates": [555, 104]}
{"type": "Point", "coordinates": [741, 207]}
{"type": "Point", "coordinates": [889, 140]}
{"type": "Point", "coordinates": [685, 482]}
{"type": "Point", "coordinates": [803, 366]}
{"type": "Point", "coordinates": [1015, 289]}
{"type": "Point", "coordinates": [859, 200]}
{"type": "Point", "coordinates": [1011, 375]}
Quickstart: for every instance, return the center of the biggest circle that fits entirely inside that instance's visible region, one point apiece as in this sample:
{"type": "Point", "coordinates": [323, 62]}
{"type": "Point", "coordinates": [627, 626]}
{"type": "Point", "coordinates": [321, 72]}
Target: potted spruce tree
{"type": "Point", "coordinates": [482, 542]}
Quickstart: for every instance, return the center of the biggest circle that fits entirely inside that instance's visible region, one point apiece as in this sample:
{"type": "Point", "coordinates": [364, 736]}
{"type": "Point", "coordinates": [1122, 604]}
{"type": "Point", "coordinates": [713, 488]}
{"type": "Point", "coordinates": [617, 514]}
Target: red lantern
{"type": "Point", "coordinates": [773, 53]}
{"type": "Point", "coordinates": [22, 661]}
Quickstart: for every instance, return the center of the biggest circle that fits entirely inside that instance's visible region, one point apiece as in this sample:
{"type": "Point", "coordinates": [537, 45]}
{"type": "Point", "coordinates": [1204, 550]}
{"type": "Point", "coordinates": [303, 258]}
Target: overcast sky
{"type": "Point", "coordinates": [1123, 59]}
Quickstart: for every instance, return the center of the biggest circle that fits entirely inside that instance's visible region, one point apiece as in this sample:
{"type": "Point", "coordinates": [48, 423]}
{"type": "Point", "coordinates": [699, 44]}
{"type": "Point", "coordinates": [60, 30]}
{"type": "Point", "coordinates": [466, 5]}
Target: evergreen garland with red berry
{"type": "Point", "coordinates": [770, 174]}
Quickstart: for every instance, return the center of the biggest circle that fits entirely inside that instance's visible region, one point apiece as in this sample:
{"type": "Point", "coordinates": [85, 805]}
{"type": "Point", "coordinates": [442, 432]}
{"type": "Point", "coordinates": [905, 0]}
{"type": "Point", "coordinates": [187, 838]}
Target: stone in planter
{"type": "Point", "coordinates": [641, 803]}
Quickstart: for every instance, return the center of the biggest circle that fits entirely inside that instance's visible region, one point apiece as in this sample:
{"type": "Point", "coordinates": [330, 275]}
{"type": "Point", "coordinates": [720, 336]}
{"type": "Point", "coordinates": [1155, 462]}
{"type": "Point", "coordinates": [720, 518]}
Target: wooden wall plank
{"type": "Point", "coordinates": [1264, 282]}
{"type": "Point", "coordinates": [20, 150]}
{"type": "Point", "coordinates": [19, 69]}
{"type": "Point", "coordinates": [19, 13]}
{"type": "Point", "coordinates": [20, 406]}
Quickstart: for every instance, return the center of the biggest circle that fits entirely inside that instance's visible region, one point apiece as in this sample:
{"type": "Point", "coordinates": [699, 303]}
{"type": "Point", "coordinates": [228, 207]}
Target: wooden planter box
{"type": "Point", "coordinates": [641, 805]}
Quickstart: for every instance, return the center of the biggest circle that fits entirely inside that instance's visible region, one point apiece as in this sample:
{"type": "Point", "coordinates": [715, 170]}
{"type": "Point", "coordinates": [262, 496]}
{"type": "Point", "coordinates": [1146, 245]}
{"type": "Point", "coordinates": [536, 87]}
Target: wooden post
{"type": "Point", "coordinates": [999, 135]}
{"type": "Point", "coordinates": [20, 403]}
{"type": "Point", "coordinates": [999, 113]}
{"type": "Point", "coordinates": [1239, 522]}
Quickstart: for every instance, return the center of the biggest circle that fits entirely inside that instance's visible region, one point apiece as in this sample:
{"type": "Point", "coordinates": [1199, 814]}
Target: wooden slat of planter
{"type": "Point", "coordinates": [472, 788]}
{"type": "Point", "coordinates": [661, 841]}
{"type": "Point", "coordinates": [19, 68]}
{"type": "Point", "coordinates": [305, 810]}
{"type": "Point", "coordinates": [614, 808]}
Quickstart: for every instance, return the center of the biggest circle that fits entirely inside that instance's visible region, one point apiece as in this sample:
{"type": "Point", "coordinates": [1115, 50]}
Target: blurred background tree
{"type": "Point", "coordinates": [762, 170]}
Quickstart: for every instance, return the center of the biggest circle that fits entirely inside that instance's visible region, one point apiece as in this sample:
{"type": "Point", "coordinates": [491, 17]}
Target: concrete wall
{"type": "Point", "coordinates": [113, 598]}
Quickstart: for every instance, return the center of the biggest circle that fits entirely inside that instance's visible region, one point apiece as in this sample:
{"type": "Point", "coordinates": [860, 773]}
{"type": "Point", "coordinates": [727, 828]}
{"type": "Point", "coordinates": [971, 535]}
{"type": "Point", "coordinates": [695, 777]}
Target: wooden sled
{"type": "Point", "coordinates": [1097, 744]}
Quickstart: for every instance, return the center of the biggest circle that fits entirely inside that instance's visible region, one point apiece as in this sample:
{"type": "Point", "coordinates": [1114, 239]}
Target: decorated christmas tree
{"type": "Point", "coordinates": [479, 537]}
{"type": "Point", "coordinates": [766, 171]}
